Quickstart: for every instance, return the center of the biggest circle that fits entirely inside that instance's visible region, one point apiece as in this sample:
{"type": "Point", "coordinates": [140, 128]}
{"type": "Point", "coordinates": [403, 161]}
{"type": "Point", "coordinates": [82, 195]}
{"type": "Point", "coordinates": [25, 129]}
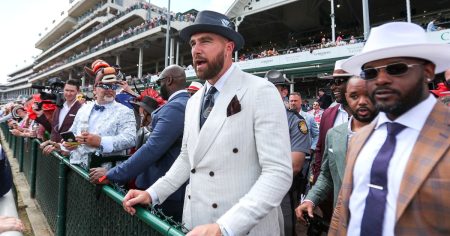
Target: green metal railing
{"type": "Point", "coordinates": [67, 198]}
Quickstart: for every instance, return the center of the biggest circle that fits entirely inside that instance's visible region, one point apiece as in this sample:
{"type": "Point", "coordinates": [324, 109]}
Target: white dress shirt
{"type": "Point", "coordinates": [414, 120]}
{"type": "Point", "coordinates": [63, 113]}
{"type": "Point", "coordinates": [341, 117]}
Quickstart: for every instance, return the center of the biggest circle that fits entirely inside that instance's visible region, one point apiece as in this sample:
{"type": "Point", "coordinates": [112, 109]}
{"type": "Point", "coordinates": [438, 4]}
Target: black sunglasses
{"type": "Point", "coordinates": [394, 69]}
{"type": "Point", "coordinates": [339, 80]}
{"type": "Point", "coordinates": [158, 82]}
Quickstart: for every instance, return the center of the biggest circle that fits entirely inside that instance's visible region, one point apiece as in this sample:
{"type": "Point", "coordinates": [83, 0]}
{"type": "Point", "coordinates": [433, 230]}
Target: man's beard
{"type": "Point", "coordinates": [108, 99]}
{"type": "Point", "coordinates": [365, 119]}
{"type": "Point", "coordinates": [403, 104]}
{"type": "Point", "coordinates": [213, 67]}
{"type": "Point", "coordinates": [163, 92]}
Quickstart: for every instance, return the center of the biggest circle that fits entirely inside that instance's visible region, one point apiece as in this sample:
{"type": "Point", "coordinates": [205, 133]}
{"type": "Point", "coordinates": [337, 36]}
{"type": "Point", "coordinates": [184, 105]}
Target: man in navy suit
{"type": "Point", "coordinates": [157, 155]}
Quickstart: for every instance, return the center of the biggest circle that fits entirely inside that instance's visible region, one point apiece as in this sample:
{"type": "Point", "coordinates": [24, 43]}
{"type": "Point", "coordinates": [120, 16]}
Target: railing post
{"type": "Point", "coordinates": [34, 143]}
{"type": "Point", "coordinates": [20, 153]}
{"type": "Point", "coordinates": [13, 142]}
{"type": "Point", "coordinates": [61, 217]}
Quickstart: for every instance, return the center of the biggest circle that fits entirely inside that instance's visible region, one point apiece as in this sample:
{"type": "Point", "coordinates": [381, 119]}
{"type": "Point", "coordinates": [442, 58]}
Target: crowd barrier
{"type": "Point", "coordinates": [68, 200]}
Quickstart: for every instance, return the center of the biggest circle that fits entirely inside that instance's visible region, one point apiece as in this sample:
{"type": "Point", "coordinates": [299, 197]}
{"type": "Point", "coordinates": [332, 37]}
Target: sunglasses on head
{"type": "Point", "coordinates": [108, 86]}
{"type": "Point", "coordinates": [394, 69]}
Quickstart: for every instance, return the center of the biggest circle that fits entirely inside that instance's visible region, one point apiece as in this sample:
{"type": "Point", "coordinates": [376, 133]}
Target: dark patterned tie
{"type": "Point", "coordinates": [372, 221]}
{"type": "Point", "coordinates": [208, 104]}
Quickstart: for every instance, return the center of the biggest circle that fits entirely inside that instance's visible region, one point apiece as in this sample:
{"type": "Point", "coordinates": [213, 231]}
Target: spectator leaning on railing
{"type": "Point", "coordinates": [104, 125]}
{"type": "Point", "coordinates": [157, 155]}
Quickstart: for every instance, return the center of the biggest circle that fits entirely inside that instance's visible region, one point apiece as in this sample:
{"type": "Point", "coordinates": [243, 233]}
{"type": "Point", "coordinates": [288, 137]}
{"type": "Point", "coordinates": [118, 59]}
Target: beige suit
{"type": "Point", "coordinates": [423, 201]}
{"type": "Point", "coordinates": [239, 167]}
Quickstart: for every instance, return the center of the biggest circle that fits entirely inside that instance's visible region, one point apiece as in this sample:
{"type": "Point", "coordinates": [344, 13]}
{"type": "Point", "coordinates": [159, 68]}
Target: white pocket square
{"type": "Point", "coordinates": [330, 150]}
{"type": "Point", "coordinates": [72, 114]}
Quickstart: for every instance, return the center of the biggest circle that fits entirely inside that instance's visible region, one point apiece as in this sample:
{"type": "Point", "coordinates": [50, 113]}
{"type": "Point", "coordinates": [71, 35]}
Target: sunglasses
{"type": "Point", "coordinates": [339, 80]}
{"type": "Point", "coordinates": [158, 82]}
{"type": "Point", "coordinates": [108, 86]}
{"type": "Point", "coordinates": [394, 69]}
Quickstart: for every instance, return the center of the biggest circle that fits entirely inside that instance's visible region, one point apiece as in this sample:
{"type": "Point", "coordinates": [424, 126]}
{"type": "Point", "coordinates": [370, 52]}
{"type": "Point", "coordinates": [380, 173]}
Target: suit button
{"type": "Point", "coordinates": [214, 205]}
{"type": "Point", "coordinates": [211, 173]}
{"type": "Point", "coordinates": [235, 150]}
{"type": "Point", "coordinates": [189, 196]}
{"type": "Point", "coordinates": [193, 171]}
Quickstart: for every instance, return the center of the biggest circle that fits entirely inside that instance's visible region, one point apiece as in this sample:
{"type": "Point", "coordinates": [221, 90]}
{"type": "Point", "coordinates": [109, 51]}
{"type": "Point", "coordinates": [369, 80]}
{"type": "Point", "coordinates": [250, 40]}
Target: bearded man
{"type": "Point", "coordinates": [236, 149]}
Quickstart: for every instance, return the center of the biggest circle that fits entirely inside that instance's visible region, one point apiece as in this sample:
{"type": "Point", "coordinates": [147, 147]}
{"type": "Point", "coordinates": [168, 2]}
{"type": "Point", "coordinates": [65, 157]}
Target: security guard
{"type": "Point", "coordinates": [300, 146]}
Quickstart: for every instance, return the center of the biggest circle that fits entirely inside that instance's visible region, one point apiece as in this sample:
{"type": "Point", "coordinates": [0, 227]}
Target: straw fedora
{"type": "Point", "coordinates": [399, 39]}
{"type": "Point", "coordinates": [338, 71]}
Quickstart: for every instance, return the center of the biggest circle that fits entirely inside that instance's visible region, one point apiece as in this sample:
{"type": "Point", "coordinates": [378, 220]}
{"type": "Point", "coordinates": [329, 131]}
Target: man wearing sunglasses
{"type": "Point", "coordinates": [396, 180]}
{"type": "Point", "coordinates": [335, 115]}
{"type": "Point", "coordinates": [156, 156]}
{"type": "Point", "coordinates": [103, 125]}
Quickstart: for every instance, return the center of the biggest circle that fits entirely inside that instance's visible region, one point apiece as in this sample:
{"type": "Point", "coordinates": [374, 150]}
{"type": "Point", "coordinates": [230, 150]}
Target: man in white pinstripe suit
{"type": "Point", "coordinates": [238, 160]}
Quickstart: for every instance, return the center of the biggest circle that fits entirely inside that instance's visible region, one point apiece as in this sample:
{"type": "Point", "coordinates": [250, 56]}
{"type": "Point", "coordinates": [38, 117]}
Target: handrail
{"type": "Point", "coordinates": [143, 214]}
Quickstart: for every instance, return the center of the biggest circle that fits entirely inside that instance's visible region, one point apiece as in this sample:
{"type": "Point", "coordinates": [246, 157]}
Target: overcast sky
{"type": "Point", "coordinates": [23, 20]}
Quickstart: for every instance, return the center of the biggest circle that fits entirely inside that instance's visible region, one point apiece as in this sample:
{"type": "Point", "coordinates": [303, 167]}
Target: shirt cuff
{"type": "Point", "coordinates": [225, 230]}
{"type": "Point", "coordinates": [107, 144]}
{"type": "Point", "coordinates": [307, 200]}
{"type": "Point", "coordinates": [154, 196]}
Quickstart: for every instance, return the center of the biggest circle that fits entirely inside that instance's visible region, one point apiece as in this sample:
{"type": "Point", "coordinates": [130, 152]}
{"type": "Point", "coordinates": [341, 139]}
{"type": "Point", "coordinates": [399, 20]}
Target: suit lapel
{"type": "Point", "coordinates": [429, 148]}
{"type": "Point", "coordinates": [67, 118]}
{"type": "Point", "coordinates": [341, 142]}
{"type": "Point", "coordinates": [218, 115]}
{"type": "Point", "coordinates": [355, 146]}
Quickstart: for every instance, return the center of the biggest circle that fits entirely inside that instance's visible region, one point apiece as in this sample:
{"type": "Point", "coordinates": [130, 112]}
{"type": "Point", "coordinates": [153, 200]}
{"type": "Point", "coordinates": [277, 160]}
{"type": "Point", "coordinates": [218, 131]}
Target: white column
{"type": "Point", "coordinates": [408, 11]}
{"type": "Point", "coordinates": [366, 18]}
{"type": "Point", "coordinates": [333, 24]}
{"type": "Point", "coordinates": [118, 60]}
{"type": "Point", "coordinates": [177, 56]}
{"type": "Point", "coordinates": [141, 57]}
{"type": "Point", "coordinates": [70, 75]}
{"type": "Point", "coordinates": [172, 47]}
{"type": "Point", "coordinates": [237, 22]}
{"type": "Point", "coordinates": [166, 58]}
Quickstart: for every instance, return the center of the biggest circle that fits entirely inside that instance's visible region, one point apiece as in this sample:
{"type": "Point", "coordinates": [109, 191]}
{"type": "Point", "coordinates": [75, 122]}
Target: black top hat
{"type": "Point", "coordinates": [275, 77]}
{"type": "Point", "coordinates": [213, 22]}
{"type": "Point", "coordinates": [149, 104]}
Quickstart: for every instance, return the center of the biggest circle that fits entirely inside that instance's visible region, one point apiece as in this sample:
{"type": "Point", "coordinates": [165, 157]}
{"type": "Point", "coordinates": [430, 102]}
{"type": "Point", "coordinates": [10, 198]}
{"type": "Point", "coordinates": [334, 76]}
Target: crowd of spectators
{"type": "Point", "coordinates": [155, 21]}
{"type": "Point", "coordinates": [271, 49]}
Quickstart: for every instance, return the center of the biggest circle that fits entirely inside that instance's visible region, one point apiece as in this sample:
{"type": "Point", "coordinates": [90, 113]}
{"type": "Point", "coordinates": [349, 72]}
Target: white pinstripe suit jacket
{"type": "Point", "coordinates": [239, 166]}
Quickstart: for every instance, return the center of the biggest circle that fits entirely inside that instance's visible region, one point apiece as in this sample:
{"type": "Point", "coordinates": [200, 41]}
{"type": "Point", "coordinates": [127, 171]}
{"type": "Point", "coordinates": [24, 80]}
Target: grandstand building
{"type": "Point", "coordinates": [295, 36]}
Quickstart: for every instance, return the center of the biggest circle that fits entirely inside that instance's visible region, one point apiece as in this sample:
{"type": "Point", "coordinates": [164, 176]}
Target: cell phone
{"type": "Point", "coordinates": [69, 137]}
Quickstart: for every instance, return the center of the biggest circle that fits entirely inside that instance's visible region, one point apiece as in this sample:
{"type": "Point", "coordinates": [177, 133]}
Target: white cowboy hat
{"type": "Point", "coordinates": [338, 71]}
{"type": "Point", "coordinates": [399, 39]}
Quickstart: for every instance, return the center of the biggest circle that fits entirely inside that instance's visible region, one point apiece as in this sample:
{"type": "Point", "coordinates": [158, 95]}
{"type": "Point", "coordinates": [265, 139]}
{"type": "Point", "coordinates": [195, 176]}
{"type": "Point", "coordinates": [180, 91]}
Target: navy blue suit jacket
{"type": "Point", "coordinates": [156, 156]}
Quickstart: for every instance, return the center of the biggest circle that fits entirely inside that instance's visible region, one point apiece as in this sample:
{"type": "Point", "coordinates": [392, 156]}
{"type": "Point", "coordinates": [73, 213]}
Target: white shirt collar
{"type": "Point", "coordinates": [220, 83]}
{"type": "Point", "coordinates": [176, 93]}
{"type": "Point", "coordinates": [349, 125]}
{"type": "Point", "coordinates": [415, 118]}
{"type": "Point", "coordinates": [66, 105]}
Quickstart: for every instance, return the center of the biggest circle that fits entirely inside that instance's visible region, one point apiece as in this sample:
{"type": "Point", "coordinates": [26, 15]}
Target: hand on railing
{"type": "Point", "coordinates": [95, 174]}
{"type": "Point", "coordinates": [135, 197]}
{"type": "Point", "coordinates": [50, 146]}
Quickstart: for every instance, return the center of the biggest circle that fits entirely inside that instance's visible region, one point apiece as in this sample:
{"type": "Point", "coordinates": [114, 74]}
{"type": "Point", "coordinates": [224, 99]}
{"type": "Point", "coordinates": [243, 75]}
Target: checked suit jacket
{"type": "Point", "coordinates": [423, 201]}
{"type": "Point", "coordinates": [333, 165]}
{"type": "Point", "coordinates": [238, 165]}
